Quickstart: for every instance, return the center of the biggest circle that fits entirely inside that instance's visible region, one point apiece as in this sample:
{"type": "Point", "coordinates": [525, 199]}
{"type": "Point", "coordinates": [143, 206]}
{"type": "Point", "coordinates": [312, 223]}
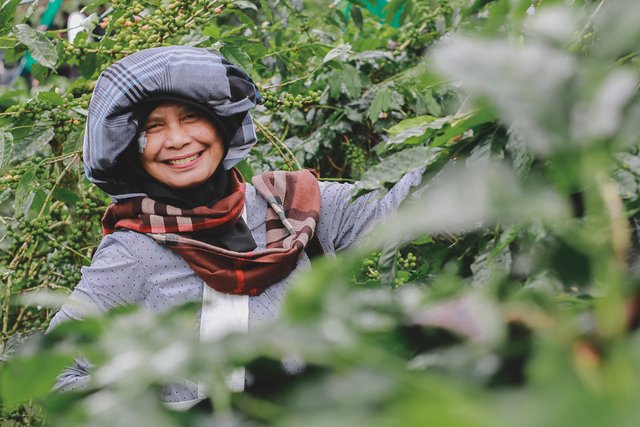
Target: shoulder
{"type": "Point", "coordinates": [127, 241]}
{"type": "Point", "coordinates": [128, 245]}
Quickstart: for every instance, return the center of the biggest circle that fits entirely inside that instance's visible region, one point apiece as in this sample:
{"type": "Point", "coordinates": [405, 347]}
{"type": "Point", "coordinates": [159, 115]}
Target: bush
{"type": "Point", "coordinates": [504, 293]}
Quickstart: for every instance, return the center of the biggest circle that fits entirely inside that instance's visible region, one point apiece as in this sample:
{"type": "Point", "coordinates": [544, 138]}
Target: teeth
{"type": "Point", "coordinates": [183, 161]}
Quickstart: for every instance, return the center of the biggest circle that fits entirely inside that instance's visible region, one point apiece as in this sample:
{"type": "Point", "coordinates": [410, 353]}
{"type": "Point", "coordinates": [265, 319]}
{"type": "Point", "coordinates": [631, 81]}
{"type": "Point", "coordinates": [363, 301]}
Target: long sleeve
{"type": "Point", "coordinates": [114, 278]}
{"type": "Point", "coordinates": [343, 221]}
{"type": "Point", "coordinates": [113, 268]}
{"type": "Point", "coordinates": [129, 268]}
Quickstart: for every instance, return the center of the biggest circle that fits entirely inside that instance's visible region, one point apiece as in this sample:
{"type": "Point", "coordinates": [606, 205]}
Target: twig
{"type": "Point", "coordinates": [306, 76]}
{"type": "Point", "coordinates": [5, 310]}
{"type": "Point", "coordinates": [293, 49]}
{"type": "Point", "coordinates": [86, 258]}
{"type": "Point", "coordinates": [279, 146]}
{"type": "Point", "coordinates": [334, 165]}
{"type": "Point", "coordinates": [589, 22]}
{"type": "Point", "coordinates": [14, 329]}
{"type": "Point", "coordinates": [55, 185]}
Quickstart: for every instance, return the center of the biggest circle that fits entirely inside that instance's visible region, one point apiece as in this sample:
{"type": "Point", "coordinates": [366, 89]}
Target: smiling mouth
{"type": "Point", "coordinates": [183, 161]}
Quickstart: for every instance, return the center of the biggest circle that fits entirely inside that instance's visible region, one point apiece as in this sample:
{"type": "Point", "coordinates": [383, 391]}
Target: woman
{"type": "Point", "coordinates": [164, 130]}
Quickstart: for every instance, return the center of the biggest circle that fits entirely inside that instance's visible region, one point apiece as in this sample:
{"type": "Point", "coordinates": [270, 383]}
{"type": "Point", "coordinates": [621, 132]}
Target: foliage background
{"type": "Point", "coordinates": [505, 293]}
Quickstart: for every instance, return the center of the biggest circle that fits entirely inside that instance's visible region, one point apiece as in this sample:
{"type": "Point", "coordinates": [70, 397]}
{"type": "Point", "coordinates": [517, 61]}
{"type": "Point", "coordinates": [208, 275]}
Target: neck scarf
{"type": "Point", "coordinates": [237, 238]}
{"type": "Point", "coordinates": [291, 218]}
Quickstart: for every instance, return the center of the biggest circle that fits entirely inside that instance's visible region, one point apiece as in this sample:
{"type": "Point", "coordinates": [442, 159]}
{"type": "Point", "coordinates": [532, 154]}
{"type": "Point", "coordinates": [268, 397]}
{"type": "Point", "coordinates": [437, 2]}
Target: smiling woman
{"type": "Point", "coordinates": [165, 128]}
{"type": "Point", "coordinates": [183, 147]}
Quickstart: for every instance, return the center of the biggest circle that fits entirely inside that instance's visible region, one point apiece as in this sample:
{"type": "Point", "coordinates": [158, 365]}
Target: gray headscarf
{"type": "Point", "coordinates": [180, 72]}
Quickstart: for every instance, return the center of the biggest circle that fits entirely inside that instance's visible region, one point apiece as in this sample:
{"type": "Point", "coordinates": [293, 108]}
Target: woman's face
{"type": "Point", "coordinates": [183, 147]}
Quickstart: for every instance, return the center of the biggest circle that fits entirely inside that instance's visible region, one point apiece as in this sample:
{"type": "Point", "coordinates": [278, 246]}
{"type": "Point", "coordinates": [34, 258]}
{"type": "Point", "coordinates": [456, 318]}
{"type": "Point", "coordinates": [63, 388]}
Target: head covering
{"type": "Point", "coordinates": [195, 75]}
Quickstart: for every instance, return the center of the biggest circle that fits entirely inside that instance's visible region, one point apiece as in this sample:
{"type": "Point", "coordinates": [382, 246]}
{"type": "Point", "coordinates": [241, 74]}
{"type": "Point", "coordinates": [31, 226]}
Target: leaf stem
{"type": "Point", "coordinates": [279, 146]}
{"type": "Point", "coordinates": [306, 76]}
{"type": "Point", "coordinates": [55, 185]}
{"type": "Point", "coordinates": [588, 24]}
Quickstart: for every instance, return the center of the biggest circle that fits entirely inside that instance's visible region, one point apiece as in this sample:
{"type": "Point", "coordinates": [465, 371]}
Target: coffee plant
{"type": "Point", "coordinates": [504, 293]}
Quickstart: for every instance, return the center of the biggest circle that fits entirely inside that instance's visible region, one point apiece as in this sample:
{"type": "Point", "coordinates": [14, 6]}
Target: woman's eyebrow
{"type": "Point", "coordinates": [151, 121]}
{"type": "Point", "coordinates": [187, 109]}
{"type": "Point", "coordinates": [153, 117]}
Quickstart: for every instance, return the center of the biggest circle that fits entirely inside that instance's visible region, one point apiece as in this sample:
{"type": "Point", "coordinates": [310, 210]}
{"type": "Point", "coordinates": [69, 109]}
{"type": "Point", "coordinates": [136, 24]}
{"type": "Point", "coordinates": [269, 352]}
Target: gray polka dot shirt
{"type": "Point", "coordinates": [131, 268]}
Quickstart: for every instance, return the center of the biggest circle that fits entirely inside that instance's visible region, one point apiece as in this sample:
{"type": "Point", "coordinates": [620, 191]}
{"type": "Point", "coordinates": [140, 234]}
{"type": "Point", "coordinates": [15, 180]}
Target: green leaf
{"type": "Point", "coordinates": [491, 265]}
{"type": "Point", "coordinates": [194, 38]}
{"type": "Point", "coordinates": [244, 4]}
{"type": "Point", "coordinates": [88, 65]}
{"type": "Point", "coordinates": [430, 103]}
{"type": "Point", "coordinates": [527, 84]}
{"type": "Point", "coordinates": [238, 56]}
{"type": "Point", "coordinates": [630, 162]}
{"type": "Point", "coordinates": [212, 31]}
{"type": "Point", "coordinates": [7, 15]}
{"type": "Point", "coordinates": [9, 98]}
{"type": "Point", "coordinates": [51, 97]}
{"type": "Point", "coordinates": [339, 52]}
{"type": "Point", "coordinates": [627, 183]}
{"type": "Point", "coordinates": [93, 6]}
{"type": "Point", "coordinates": [30, 378]}
{"type": "Point", "coordinates": [4, 196]}
{"type": "Point", "coordinates": [618, 30]}
{"type": "Point", "coordinates": [351, 80]}
{"type": "Point", "coordinates": [334, 80]}
{"type": "Point", "coordinates": [6, 148]}
{"type": "Point", "coordinates": [409, 124]}
{"type": "Point", "coordinates": [39, 197]}
{"type": "Point", "coordinates": [356, 15]}
{"type": "Point", "coordinates": [417, 135]}
{"type": "Point", "coordinates": [381, 102]}
{"type": "Point", "coordinates": [23, 189]}
{"type": "Point", "coordinates": [8, 42]}
{"type": "Point", "coordinates": [40, 47]}
{"type": "Point", "coordinates": [32, 8]}
{"type": "Point", "coordinates": [387, 265]}
{"type": "Point", "coordinates": [39, 72]}
{"type": "Point", "coordinates": [463, 124]}
{"type": "Point", "coordinates": [73, 142]}
{"type": "Point", "coordinates": [82, 111]}
{"type": "Point", "coordinates": [246, 20]}
{"type": "Point", "coordinates": [246, 170]}
{"type": "Point", "coordinates": [392, 168]}
{"type": "Point", "coordinates": [266, 8]}
{"type": "Point", "coordinates": [41, 136]}
{"type": "Point", "coordinates": [65, 195]}
{"type": "Point", "coordinates": [14, 55]}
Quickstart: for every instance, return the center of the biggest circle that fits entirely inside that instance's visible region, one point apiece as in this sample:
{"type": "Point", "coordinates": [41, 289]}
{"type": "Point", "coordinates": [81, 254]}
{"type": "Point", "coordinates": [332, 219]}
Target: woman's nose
{"type": "Point", "coordinates": [177, 137]}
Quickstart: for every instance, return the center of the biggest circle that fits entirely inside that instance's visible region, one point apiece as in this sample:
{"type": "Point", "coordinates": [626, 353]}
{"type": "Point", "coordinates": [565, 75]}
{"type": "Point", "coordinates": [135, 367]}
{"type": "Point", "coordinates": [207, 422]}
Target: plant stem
{"type": "Point", "coordinates": [279, 146]}
{"type": "Point", "coordinates": [306, 76]}
{"type": "Point", "coordinates": [55, 185]}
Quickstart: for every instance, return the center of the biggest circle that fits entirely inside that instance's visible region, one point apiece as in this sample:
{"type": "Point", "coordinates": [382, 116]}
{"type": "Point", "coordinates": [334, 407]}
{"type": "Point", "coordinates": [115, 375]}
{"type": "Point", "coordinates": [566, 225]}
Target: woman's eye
{"type": "Point", "coordinates": [151, 127]}
{"type": "Point", "coordinates": [190, 116]}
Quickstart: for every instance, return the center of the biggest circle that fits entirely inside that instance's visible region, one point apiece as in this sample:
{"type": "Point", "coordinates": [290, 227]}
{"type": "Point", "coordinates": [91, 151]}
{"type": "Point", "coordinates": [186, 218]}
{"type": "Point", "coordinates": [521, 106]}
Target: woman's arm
{"type": "Point", "coordinates": [114, 278]}
{"type": "Point", "coordinates": [343, 221]}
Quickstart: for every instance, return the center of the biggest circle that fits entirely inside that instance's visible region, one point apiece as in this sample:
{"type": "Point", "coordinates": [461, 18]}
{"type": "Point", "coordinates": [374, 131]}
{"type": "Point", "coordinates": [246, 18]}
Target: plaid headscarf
{"type": "Point", "coordinates": [291, 218]}
{"type": "Point", "coordinates": [195, 75]}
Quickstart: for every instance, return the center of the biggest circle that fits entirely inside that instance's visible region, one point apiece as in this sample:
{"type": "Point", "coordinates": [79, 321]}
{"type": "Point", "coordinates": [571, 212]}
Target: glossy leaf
{"type": "Point", "coordinates": [7, 15]}
{"type": "Point", "coordinates": [391, 169]}
{"type": "Point", "coordinates": [40, 47]}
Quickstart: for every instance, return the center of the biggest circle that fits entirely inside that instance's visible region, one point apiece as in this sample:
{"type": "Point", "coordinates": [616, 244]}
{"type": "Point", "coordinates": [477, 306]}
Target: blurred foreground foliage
{"type": "Point", "coordinates": [505, 293]}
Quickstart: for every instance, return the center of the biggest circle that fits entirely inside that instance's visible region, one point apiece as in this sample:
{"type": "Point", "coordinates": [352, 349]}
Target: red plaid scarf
{"type": "Point", "coordinates": [292, 215]}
